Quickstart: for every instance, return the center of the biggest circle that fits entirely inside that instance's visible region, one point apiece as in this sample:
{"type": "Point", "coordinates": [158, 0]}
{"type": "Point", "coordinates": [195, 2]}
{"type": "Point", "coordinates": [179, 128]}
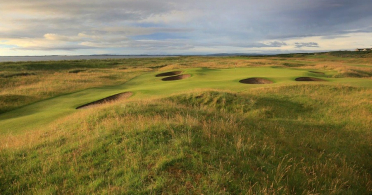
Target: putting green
{"type": "Point", "coordinates": [147, 85]}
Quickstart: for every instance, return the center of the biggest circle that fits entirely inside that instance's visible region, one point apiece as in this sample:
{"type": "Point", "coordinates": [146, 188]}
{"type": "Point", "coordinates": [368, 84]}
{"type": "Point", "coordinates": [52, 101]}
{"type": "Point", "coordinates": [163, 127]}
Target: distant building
{"type": "Point", "coordinates": [364, 49]}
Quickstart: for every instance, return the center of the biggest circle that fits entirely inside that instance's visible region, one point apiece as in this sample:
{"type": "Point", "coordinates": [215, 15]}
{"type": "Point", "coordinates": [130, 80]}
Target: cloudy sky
{"type": "Point", "coordinates": [72, 27]}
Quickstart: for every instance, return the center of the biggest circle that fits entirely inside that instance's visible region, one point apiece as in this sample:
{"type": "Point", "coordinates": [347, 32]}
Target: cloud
{"type": "Point", "coordinates": [310, 44]}
{"type": "Point", "coordinates": [183, 26]}
{"type": "Point", "coordinates": [55, 37]}
{"type": "Point", "coordinates": [276, 44]}
{"type": "Point", "coordinates": [53, 48]}
{"type": "Point", "coordinates": [135, 31]}
{"type": "Point", "coordinates": [259, 44]}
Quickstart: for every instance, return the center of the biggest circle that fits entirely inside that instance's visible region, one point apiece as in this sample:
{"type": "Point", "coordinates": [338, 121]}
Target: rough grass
{"type": "Point", "coordinates": [20, 91]}
{"type": "Point", "coordinates": [74, 75]}
{"type": "Point", "coordinates": [282, 139]}
{"type": "Point", "coordinates": [357, 73]}
{"type": "Point", "coordinates": [266, 141]}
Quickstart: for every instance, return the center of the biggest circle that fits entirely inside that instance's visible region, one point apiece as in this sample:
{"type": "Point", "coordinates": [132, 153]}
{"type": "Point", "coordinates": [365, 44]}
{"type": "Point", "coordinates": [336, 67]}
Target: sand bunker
{"type": "Point", "coordinates": [255, 81]}
{"type": "Point", "coordinates": [308, 79]}
{"type": "Point", "coordinates": [316, 72]}
{"type": "Point", "coordinates": [17, 75]}
{"type": "Point", "coordinates": [76, 71]}
{"type": "Point", "coordinates": [178, 77]}
{"type": "Point", "coordinates": [107, 100]}
{"type": "Point", "coordinates": [167, 74]}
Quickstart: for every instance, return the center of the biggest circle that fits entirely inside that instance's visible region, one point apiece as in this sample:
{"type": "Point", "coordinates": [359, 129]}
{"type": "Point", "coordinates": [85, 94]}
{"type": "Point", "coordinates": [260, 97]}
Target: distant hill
{"type": "Point", "coordinates": [236, 54]}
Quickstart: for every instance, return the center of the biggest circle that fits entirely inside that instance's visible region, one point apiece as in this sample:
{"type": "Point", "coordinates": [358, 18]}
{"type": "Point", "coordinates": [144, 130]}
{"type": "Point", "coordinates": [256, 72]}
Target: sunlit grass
{"type": "Point", "coordinates": [202, 142]}
{"type": "Point", "coordinates": [21, 91]}
{"type": "Point", "coordinates": [208, 134]}
{"type": "Point", "coordinates": [56, 78]}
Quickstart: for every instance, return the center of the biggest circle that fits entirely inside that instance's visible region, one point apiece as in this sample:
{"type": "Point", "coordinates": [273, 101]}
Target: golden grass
{"type": "Point", "coordinates": [305, 138]}
{"type": "Point", "coordinates": [227, 135]}
{"type": "Point", "coordinates": [46, 84]}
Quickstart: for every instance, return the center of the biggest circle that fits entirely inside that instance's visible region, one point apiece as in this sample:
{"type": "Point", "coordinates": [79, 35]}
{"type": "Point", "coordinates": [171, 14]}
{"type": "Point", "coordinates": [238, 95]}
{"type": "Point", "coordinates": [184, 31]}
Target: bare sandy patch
{"type": "Point", "coordinates": [178, 77]}
{"type": "Point", "coordinates": [308, 79]}
{"type": "Point", "coordinates": [107, 100]}
{"type": "Point", "coordinates": [255, 81]}
{"type": "Point", "coordinates": [167, 74]}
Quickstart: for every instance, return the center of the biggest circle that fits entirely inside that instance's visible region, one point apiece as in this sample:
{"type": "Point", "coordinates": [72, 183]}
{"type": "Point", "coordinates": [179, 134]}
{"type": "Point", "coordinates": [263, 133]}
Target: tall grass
{"type": "Point", "coordinates": [42, 80]}
{"type": "Point", "coordinates": [20, 91]}
{"type": "Point", "coordinates": [284, 140]}
{"type": "Point", "coordinates": [298, 139]}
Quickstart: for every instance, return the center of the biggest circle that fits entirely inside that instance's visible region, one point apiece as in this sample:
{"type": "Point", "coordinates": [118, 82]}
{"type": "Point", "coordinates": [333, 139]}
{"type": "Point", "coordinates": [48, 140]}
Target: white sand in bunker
{"type": "Point", "coordinates": [107, 100]}
{"type": "Point", "coordinates": [255, 81]}
{"type": "Point", "coordinates": [308, 79]}
{"type": "Point", "coordinates": [178, 77]}
{"type": "Point", "coordinates": [167, 74]}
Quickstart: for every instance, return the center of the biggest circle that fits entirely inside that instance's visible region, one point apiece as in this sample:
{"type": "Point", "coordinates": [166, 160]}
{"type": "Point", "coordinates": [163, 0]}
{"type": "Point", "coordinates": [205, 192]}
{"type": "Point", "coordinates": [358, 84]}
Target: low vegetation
{"type": "Point", "coordinates": [281, 138]}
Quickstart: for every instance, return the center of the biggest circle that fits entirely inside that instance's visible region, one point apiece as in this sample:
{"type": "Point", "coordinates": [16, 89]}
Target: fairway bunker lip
{"type": "Point", "coordinates": [107, 100]}
{"type": "Point", "coordinates": [308, 79]}
{"type": "Point", "coordinates": [76, 71]}
{"type": "Point", "coordinates": [18, 75]}
{"type": "Point", "coordinates": [255, 80]}
{"type": "Point", "coordinates": [167, 74]}
{"type": "Point", "coordinates": [178, 77]}
{"type": "Point", "coordinates": [316, 72]}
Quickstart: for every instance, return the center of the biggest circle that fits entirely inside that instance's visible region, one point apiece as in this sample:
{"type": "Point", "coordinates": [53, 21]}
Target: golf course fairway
{"type": "Point", "coordinates": [283, 124]}
{"type": "Point", "coordinates": [148, 85]}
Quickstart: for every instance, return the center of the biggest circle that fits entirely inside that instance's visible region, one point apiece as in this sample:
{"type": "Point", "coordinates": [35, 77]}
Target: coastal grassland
{"type": "Point", "coordinates": [23, 83]}
{"type": "Point", "coordinates": [270, 140]}
{"type": "Point", "coordinates": [207, 134]}
{"type": "Point", "coordinates": [20, 91]}
{"type": "Point", "coordinates": [149, 86]}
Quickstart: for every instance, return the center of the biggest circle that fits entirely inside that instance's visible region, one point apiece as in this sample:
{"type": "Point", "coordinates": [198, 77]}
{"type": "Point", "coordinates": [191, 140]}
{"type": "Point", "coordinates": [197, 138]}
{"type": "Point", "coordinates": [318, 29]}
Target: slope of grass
{"type": "Point", "coordinates": [147, 85]}
{"type": "Point", "coordinates": [23, 83]}
{"type": "Point", "coordinates": [21, 91]}
{"type": "Point", "coordinates": [262, 141]}
{"type": "Point", "coordinates": [207, 134]}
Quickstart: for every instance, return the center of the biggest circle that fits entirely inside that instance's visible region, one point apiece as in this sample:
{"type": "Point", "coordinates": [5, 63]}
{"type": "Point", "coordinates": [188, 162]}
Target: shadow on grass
{"type": "Point", "coordinates": [199, 150]}
{"type": "Point", "coordinates": [205, 71]}
{"type": "Point", "coordinates": [8, 101]}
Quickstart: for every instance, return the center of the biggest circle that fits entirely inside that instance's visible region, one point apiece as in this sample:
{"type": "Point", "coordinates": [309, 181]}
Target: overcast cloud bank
{"type": "Point", "coordinates": [47, 27]}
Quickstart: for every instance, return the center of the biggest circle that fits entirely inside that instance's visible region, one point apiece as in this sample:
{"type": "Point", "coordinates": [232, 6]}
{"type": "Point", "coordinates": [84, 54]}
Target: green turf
{"type": "Point", "coordinates": [208, 134]}
{"type": "Point", "coordinates": [281, 140]}
{"type": "Point", "coordinates": [147, 85]}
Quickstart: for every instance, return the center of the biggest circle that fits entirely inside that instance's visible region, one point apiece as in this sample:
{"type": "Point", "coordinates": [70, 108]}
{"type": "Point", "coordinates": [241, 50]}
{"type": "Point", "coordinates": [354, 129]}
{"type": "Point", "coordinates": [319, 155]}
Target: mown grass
{"type": "Point", "coordinates": [21, 91]}
{"type": "Point", "coordinates": [204, 135]}
{"type": "Point", "coordinates": [150, 86]}
{"type": "Point", "coordinates": [24, 83]}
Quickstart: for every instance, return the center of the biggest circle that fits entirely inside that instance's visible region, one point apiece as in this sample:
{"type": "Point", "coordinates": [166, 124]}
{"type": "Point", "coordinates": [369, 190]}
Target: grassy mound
{"type": "Point", "coordinates": [205, 135]}
{"type": "Point", "coordinates": [264, 141]}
